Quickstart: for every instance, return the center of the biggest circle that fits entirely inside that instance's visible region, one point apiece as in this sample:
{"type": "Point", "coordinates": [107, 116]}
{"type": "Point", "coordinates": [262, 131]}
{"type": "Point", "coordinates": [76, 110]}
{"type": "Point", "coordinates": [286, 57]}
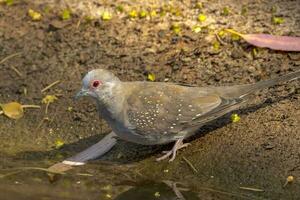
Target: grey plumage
{"type": "Point", "coordinates": [157, 113]}
{"type": "Point", "coordinates": [94, 151]}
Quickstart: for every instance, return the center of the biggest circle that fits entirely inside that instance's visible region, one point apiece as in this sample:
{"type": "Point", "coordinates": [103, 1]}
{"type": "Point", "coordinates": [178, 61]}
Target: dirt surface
{"type": "Point", "coordinates": [260, 151]}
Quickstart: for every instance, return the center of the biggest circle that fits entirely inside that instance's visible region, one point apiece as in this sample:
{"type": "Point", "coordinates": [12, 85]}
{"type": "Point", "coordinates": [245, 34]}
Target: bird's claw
{"type": "Point", "coordinates": [178, 145]}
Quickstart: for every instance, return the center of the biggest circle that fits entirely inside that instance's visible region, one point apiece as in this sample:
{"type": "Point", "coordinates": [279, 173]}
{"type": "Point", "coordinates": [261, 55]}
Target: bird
{"type": "Point", "coordinates": [156, 113]}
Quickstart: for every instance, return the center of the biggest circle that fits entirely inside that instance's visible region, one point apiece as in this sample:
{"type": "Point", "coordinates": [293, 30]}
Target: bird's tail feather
{"type": "Point", "coordinates": [243, 91]}
{"type": "Point", "coordinates": [94, 151]}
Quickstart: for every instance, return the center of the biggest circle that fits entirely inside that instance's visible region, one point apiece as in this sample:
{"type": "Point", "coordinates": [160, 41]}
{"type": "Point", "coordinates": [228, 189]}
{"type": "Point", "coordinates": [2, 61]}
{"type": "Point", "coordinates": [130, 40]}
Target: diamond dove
{"type": "Point", "coordinates": [152, 113]}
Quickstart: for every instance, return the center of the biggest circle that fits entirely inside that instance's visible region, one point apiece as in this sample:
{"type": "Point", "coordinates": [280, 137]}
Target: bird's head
{"type": "Point", "coordinates": [98, 84]}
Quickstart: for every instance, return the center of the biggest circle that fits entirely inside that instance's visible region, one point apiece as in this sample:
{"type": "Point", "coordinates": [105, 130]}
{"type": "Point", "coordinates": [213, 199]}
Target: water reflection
{"type": "Point", "coordinates": [166, 190]}
{"type": "Point", "coordinates": [36, 185]}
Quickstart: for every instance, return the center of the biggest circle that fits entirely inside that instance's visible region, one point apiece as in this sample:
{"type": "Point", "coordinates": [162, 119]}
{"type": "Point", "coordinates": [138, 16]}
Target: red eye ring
{"type": "Point", "coordinates": [96, 83]}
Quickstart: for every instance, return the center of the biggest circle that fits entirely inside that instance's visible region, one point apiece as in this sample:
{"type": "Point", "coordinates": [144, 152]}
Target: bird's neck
{"type": "Point", "coordinates": [110, 102]}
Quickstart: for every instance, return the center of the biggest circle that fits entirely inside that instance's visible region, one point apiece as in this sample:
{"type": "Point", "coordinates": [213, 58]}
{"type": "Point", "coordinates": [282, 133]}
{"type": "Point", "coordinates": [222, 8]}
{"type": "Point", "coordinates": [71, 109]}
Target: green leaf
{"type": "Point", "coordinates": [277, 20]}
{"type": "Point", "coordinates": [9, 2]}
{"type": "Point", "coordinates": [66, 14]}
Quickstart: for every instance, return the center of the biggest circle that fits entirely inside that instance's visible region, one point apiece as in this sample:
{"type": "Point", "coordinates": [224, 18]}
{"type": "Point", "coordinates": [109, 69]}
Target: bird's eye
{"type": "Point", "coordinates": [96, 83]}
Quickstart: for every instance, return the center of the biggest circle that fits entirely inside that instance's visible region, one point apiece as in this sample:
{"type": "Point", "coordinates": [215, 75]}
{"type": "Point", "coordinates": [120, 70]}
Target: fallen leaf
{"type": "Point", "coordinates": [35, 16]}
{"type": "Point", "coordinates": [143, 14]}
{"type": "Point", "coordinates": [106, 16]}
{"type": "Point", "coordinates": [255, 52]}
{"type": "Point", "coordinates": [201, 18]}
{"type": "Point", "coordinates": [157, 194]}
{"type": "Point", "coordinates": [196, 29]}
{"type": "Point", "coordinates": [59, 144]}
{"type": "Point", "coordinates": [235, 118]}
{"type": "Point", "coordinates": [283, 43]}
{"type": "Point", "coordinates": [66, 14]}
{"type": "Point", "coordinates": [151, 77]}
{"type": "Point", "coordinates": [221, 34]}
{"type": "Point", "coordinates": [13, 110]}
{"type": "Point", "coordinates": [216, 45]}
{"type": "Point", "coordinates": [153, 13]}
{"type": "Point", "coordinates": [49, 99]}
{"type": "Point", "coordinates": [176, 28]}
{"type": "Point", "coordinates": [277, 20]}
{"type": "Point", "coordinates": [133, 14]}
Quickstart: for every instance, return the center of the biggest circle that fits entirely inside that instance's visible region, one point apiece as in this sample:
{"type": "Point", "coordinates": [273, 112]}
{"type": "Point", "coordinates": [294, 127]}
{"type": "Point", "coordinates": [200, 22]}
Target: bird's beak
{"type": "Point", "coordinates": [81, 93]}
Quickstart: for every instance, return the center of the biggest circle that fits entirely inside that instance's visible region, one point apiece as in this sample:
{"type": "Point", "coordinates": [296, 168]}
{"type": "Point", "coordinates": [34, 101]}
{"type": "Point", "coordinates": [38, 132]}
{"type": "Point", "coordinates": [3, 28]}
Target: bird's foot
{"type": "Point", "coordinates": [177, 190]}
{"type": "Point", "coordinates": [178, 145]}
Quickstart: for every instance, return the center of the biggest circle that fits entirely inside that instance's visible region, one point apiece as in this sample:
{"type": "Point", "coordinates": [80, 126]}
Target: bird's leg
{"type": "Point", "coordinates": [176, 190]}
{"type": "Point", "coordinates": [178, 145]}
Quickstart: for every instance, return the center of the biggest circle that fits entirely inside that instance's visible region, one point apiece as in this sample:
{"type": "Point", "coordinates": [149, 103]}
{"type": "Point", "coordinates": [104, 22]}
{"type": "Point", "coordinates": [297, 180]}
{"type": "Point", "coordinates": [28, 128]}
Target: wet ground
{"type": "Point", "coordinates": [258, 152]}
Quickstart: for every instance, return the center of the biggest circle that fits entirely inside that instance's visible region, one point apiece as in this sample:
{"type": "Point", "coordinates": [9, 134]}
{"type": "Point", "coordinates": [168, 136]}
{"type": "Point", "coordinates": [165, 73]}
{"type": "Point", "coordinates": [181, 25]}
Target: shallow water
{"type": "Point", "coordinates": [257, 153]}
{"type": "Point", "coordinates": [30, 183]}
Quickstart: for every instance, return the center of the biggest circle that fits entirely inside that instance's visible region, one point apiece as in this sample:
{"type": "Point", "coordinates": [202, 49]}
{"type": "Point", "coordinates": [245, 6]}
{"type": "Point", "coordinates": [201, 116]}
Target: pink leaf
{"type": "Point", "coordinates": [283, 43]}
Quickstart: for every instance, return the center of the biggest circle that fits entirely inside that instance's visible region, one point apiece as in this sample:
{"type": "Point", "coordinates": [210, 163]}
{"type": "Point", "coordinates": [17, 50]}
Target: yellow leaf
{"type": "Point", "coordinates": [235, 37]}
{"type": "Point", "coordinates": [49, 99]}
{"type": "Point", "coordinates": [255, 52]}
{"type": "Point", "coordinates": [201, 18]}
{"type": "Point", "coordinates": [153, 13]}
{"type": "Point", "coordinates": [13, 110]}
{"type": "Point", "coordinates": [157, 194]}
{"type": "Point", "coordinates": [151, 77]}
{"type": "Point", "coordinates": [59, 144]}
{"type": "Point", "coordinates": [133, 14]}
{"type": "Point", "coordinates": [234, 34]}
{"type": "Point", "coordinates": [277, 20]}
{"type": "Point", "coordinates": [143, 14]}
{"type": "Point", "coordinates": [176, 28]}
{"type": "Point", "coordinates": [196, 29]}
{"type": "Point", "coordinates": [216, 45]}
{"type": "Point", "coordinates": [66, 14]}
{"type": "Point", "coordinates": [106, 15]}
{"type": "Point", "coordinates": [35, 16]}
{"type": "Point", "coordinates": [235, 118]}
{"type": "Point", "coordinates": [221, 33]}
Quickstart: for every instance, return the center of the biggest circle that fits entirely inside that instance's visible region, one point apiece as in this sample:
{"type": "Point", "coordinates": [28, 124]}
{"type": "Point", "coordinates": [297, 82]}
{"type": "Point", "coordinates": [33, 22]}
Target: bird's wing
{"type": "Point", "coordinates": [156, 110]}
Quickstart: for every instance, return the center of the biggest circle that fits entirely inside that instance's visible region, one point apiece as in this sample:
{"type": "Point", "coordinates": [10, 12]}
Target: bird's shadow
{"type": "Point", "coordinates": [126, 152]}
